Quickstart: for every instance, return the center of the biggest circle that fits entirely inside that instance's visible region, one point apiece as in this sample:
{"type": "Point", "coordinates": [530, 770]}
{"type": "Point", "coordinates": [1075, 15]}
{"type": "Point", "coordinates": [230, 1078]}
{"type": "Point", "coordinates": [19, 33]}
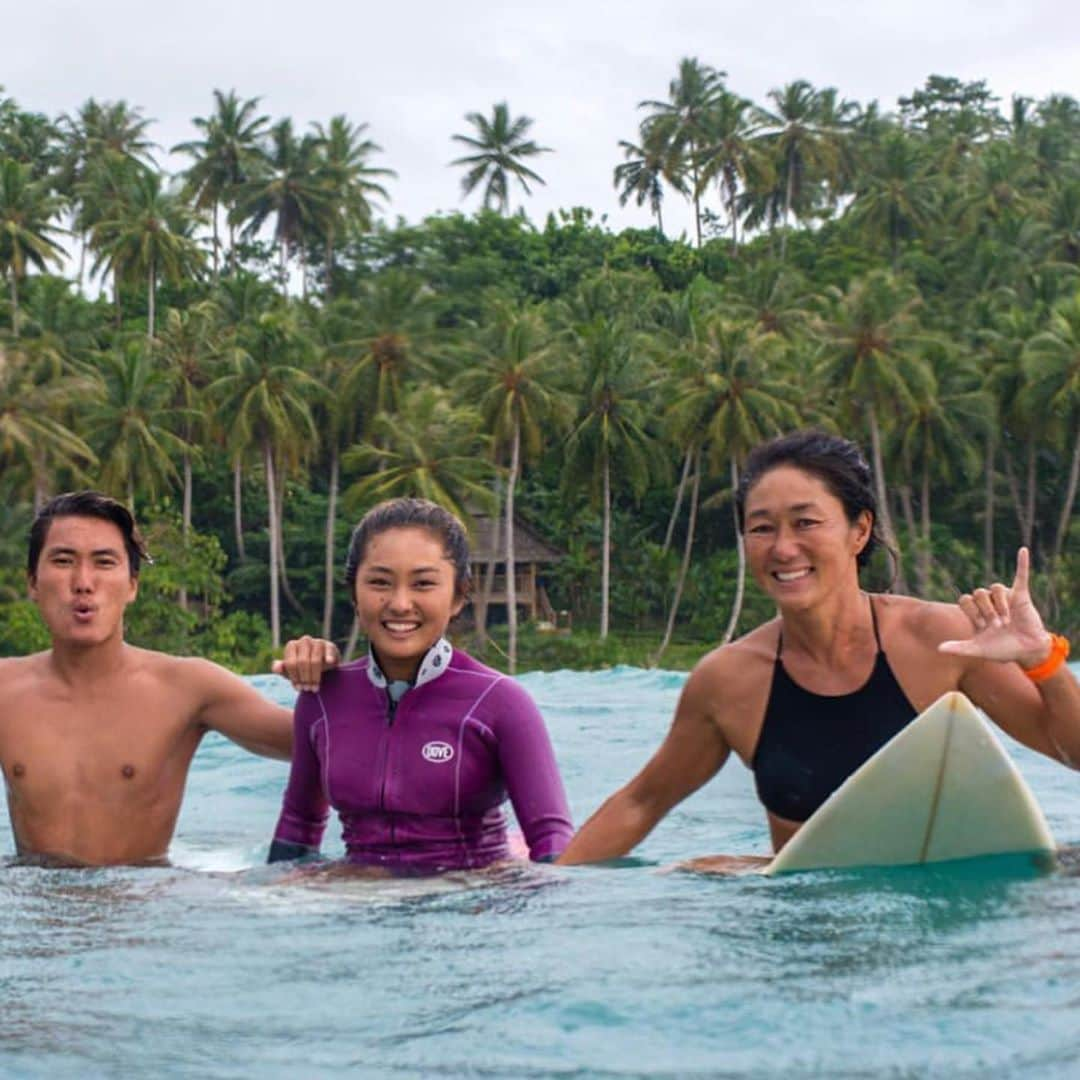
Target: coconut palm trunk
{"type": "Point", "coordinates": [907, 508]}
{"type": "Point", "coordinates": [511, 562]}
{"type": "Point", "coordinates": [1070, 498]}
{"type": "Point", "coordinates": [331, 519]}
{"type": "Point", "coordinates": [238, 509]}
{"type": "Point", "coordinates": [216, 241]}
{"type": "Point", "coordinates": [483, 605]}
{"type": "Point", "coordinates": [669, 535]}
{"type": "Point", "coordinates": [354, 635]}
{"type": "Point", "coordinates": [740, 553]}
{"type": "Point", "coordinates": [695, 489]}
{"type": "Point", "coordinates": [789, 195]}
{"type": "Point", "coordinates": [185, 519]}
{"type": "Point", "coordinates": [605, 555]}
{"type": "Point", "coordinates": [271, 510]}
{"type": "Point", "coordinates": [883, 496]}
{"type": "Point", "coordinates": [151, 290]}
{"type": "Point", "coordinates": [40, 470]}
{"type": "Point", "coordinates": [286, 587]}
{"type": "Point", "coordinates": [1029, 500]}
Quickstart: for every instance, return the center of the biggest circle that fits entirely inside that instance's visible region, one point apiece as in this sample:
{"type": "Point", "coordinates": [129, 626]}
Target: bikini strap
{"type": "Point", "coordinates": [873, 619]}
{"type": "Point", "coordinates": [780, 642]}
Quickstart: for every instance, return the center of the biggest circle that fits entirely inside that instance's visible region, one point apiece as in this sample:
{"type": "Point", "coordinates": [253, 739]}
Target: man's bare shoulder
{"type": "Point", "coordinates": [194, 673]}
{"type": "Point", "coordinates": [19, 673]}
{"type": "Point", "coordinates": [13, 666]}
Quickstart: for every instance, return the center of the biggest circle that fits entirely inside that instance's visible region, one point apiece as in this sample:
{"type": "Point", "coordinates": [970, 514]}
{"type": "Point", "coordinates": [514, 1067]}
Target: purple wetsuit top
{"type": "Point", "coordinates": [420, 785]}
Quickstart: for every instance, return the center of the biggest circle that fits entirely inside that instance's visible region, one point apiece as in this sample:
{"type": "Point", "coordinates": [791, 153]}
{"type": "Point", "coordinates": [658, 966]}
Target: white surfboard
{"type": "Point", "coordinates": [943, 788]}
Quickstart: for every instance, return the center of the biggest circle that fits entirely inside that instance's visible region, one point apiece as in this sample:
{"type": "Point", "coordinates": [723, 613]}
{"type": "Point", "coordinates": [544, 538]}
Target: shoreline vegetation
{"type": "Point", "coordinates": [252, 352]}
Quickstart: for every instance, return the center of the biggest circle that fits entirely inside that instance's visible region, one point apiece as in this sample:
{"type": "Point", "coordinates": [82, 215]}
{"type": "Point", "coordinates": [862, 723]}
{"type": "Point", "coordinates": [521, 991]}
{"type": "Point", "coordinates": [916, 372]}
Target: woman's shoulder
{"type": "Point", "coordinates": [738, 664]}
{"type": "Point", "coordinates": [473, 676]}
{"type": "Point", "coordinates": [926, 621]}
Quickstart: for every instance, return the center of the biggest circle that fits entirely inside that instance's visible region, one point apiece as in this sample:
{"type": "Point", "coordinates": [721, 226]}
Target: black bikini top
{"type": "Point", "coordinates": [811, 743]}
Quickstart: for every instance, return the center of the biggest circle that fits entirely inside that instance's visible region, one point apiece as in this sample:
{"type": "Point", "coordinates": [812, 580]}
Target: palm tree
{"type": "Point", "coordinates": [131, 423]}
{"type": "Point", "coordinates": [147, 236]}
{"type": "Point", "coordinates": [896, 196]}
{"type": "Point", "coordinates": [264, 401]}
{"type": "Point", "coordinates": [36, 392]}
{"type": "Point", "coordinates": [187, 346]}
{"type": "Point", "coordinates": [394, 336]}
{"type": "Point", "coordinates": [939, 439]}
{"type": "Point", "coordinates": [731, 155]}
{"type": "Point", "coordinates": [350, 183]}
{"type": "Point", "coordinates": [103, 140]}
{"type": "Point", "coordinates": [870, 360]}
{"type": "Point", "coordinates": [730, 396]}
{"type": "Point", "coordinates": [1052, 364]}
{"type": "Point", "coordinates": [608, 441]}
{"type": "Point", "coordinates": [641, 177]}
{"type": "Point", "coordinates": [510, 381]}
{"type": "Point", "coordinates": [286, 187]}
{"type": "Point", "coordinates": [1006, 342]}
{"type": "Point", "coordinates": [677, 129]}
{"type": "Point", "coordinates": [344, 417]}
{"type": "Point", "coordinates": [27, 209]}
{"type": "Point", "coordinates": [498, 148]}
{"type": "Point", "coordinates": [223, 159]}
{"type": "Point", "coordinates": [432, 450]}
{"type": "Point", "coordinates": [805, 140]}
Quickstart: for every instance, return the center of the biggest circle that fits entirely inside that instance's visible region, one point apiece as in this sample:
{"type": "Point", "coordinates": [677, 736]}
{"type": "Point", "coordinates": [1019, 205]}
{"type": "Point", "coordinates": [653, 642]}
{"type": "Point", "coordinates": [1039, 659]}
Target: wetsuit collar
{"type": "Point", "coordinates": [436, 661]}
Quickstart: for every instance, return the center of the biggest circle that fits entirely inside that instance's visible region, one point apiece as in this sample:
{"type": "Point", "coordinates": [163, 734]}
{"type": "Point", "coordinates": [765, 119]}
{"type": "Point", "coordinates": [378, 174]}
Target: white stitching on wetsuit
{"type": "Point", "coordinates": [458, 754]}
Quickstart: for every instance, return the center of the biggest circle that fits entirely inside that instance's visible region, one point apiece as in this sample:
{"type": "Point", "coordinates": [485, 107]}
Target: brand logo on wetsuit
{"type": "Point", "coordinates": [437, 752]}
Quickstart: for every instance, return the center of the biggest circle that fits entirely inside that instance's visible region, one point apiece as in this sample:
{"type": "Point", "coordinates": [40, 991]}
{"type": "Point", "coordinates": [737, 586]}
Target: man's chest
{"type": "Point", "coordinates": [61, 750]}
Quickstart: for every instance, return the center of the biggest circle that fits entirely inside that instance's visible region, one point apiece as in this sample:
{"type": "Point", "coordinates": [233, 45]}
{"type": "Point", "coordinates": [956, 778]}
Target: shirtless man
{"type": "Point", "coordinates": [96, 736]}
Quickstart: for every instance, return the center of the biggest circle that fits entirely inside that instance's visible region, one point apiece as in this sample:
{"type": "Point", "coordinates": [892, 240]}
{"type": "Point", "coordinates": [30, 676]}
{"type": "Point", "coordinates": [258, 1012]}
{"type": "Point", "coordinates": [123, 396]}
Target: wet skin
{"type": "Point", "coordinates": [96, 736]}
{"type": "Point", "coordinates": [801, 549]}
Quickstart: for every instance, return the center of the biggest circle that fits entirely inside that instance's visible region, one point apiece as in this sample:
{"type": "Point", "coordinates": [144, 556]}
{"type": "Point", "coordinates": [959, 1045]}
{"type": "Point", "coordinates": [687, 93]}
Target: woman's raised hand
{"type": "Point", "coordinates": [1005, 624]}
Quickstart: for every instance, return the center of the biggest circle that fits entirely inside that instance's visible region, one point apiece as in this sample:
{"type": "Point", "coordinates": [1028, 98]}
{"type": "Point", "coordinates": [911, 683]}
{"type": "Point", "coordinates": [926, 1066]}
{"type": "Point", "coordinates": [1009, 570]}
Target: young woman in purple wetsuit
{"type": "Point", "coordinates": [417, 745]}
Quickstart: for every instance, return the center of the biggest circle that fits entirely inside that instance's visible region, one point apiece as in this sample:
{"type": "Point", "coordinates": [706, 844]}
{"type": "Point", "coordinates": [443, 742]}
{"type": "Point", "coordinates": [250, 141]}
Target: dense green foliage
{"type": "Point", "coordinates": [271, 358]}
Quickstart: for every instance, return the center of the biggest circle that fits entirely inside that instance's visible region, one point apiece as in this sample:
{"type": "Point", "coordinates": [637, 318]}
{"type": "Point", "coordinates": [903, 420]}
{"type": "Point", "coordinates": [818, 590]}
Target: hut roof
{"type": "Point", "coordinates": [528, 547]}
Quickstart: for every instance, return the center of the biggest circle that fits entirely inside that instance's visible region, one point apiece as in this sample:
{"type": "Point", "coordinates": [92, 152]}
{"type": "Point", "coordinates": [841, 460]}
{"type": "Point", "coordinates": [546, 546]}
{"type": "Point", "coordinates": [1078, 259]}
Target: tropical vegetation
{"type": "Point", "coordinates": [249, 354]}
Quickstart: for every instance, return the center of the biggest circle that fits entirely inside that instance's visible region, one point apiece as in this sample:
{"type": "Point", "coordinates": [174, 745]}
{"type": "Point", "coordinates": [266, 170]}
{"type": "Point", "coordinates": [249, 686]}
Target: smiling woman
{"type": "Point", "coordinates": [417, 745]}
{"type": "Point", "coordinates": [808, 697]}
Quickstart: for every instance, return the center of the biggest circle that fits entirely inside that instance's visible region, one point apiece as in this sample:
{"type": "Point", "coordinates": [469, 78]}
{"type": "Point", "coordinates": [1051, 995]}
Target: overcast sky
{"type": "Point", "coordinates": [412, 70]}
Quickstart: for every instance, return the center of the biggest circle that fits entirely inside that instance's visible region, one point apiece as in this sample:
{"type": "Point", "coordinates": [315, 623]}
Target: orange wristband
{"type": "Point", "coordinates": [1059, 653]}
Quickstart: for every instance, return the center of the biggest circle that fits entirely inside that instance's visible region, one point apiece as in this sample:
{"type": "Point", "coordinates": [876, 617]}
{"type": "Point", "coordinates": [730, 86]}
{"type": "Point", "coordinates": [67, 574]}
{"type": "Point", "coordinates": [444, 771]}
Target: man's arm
{"type": "Point", "coordinates": [239, 712]}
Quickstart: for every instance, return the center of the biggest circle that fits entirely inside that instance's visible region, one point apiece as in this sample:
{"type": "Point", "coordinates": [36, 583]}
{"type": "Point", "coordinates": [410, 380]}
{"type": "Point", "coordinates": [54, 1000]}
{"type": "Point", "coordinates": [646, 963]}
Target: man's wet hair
{"type": "Point", "coordinates": [409, 513]}
{"type": "Point", "coordinates": [87, 504]}
{"type": "Point", "coordinates": [837, 462]}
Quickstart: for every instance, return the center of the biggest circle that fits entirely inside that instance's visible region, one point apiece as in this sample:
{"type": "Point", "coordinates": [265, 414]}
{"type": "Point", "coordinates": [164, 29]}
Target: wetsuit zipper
{"type": "Point", "coordinates": [391, 710]}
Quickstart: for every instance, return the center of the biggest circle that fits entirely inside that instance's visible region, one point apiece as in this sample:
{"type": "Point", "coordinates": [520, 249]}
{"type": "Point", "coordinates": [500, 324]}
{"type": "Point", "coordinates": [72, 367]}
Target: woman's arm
{"type": "Point", "coordinates": [305, 807]}
{"type": "Point", "coordinates": [692, 753]}
{"type": "Point", "coordinates": [1007, 637]}
{"type": "Point", "coordinates": [531, 774]}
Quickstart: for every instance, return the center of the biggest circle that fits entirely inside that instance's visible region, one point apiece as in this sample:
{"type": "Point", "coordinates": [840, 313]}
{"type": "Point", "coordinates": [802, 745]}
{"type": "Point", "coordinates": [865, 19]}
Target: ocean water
{"type": "Point", "coordinates": [217, 967]}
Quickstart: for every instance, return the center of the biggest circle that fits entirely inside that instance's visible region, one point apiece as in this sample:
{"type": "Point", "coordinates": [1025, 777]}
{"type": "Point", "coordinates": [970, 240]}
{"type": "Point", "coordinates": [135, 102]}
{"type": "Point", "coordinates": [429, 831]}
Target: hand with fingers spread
{"type": "Point", "coordinates": [305, 660]}
{"type": "Point", "coordinates": [1006, 625]}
